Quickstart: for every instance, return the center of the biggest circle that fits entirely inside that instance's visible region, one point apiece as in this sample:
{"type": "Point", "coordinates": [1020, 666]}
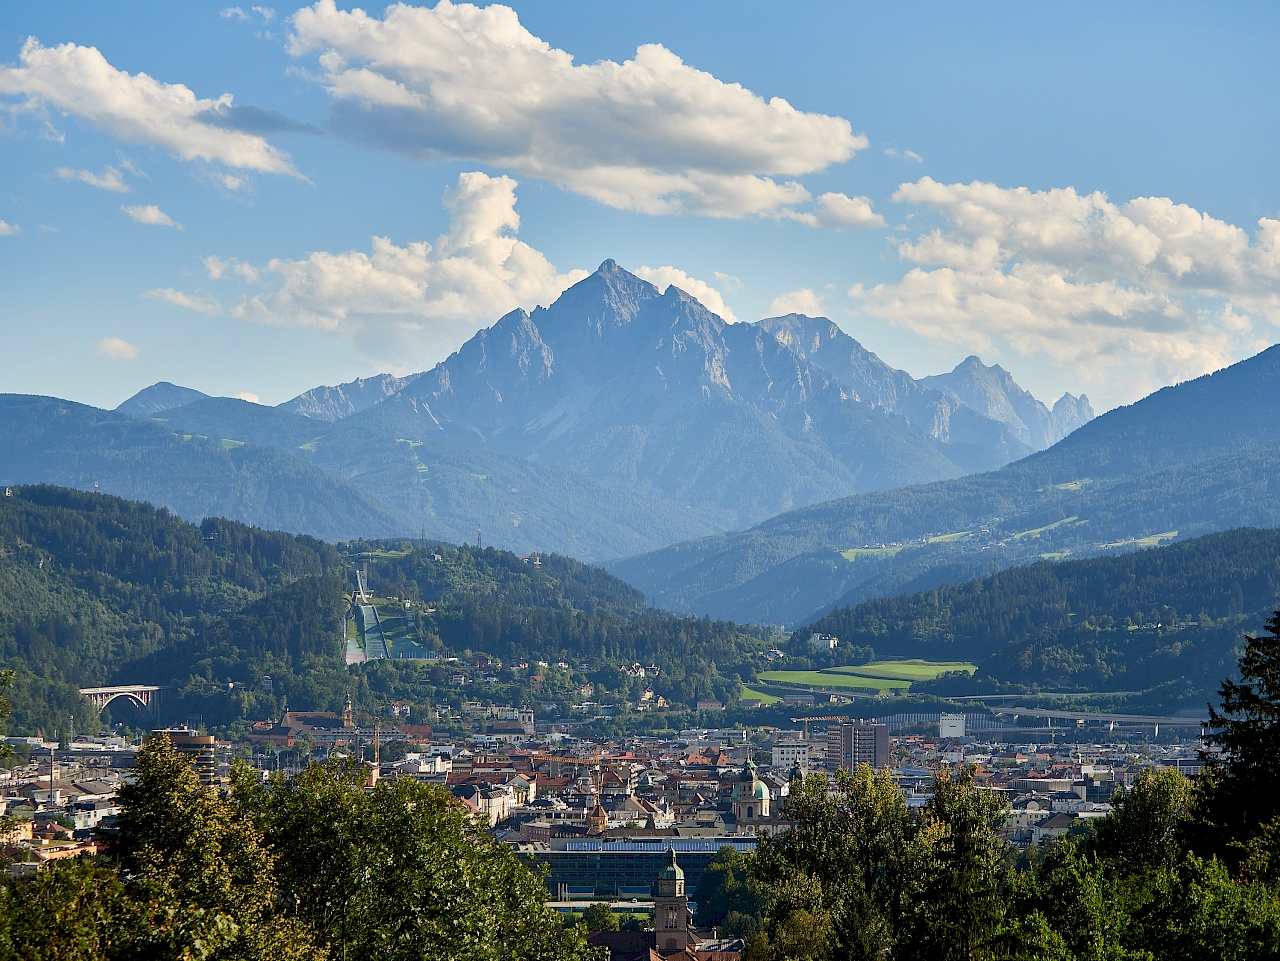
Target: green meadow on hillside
{"type": "Point", "coordinates": [877, 675]}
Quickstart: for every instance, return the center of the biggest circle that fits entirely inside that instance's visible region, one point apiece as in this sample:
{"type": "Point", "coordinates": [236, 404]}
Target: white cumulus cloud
{"type": "Point", "coordinates": [202, 305]}
{"type": "Point", "coordinates": [703, 292]}
{"type": "Point", "coordinates": [651, 134]}
{"type": "Point", "coordinates": [110, 178]}
{"type": "Point", "coordinates": [838, 211]}
{"type": "Point", "coordinates": [79, 81]}
{"type": "Point", "coordinates": [803, 301]}
{"type": "Point", "coordinates": [1154, 288]}
{"type": "Point", "coordinates": [904, 155]}
{"type": "Point", "coordinates": [149, 214]}
{"type": "Point", "coordinates": [400, 302]}
{"type": "Point", "coordinates": [118, 349]}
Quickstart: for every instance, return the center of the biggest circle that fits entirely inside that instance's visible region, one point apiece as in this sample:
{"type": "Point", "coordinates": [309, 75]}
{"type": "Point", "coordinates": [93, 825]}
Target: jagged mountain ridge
{"type": "Point", "coordinates": [619, 419]}
{"type": "Point", "coordinates": [991, 391]}
{"type": "Point", "coordinates": [342, 400]}
{"type": "Point", "coordinates": [862, 375]}
{"type": "Point", "coordinates": [649, 389]}
{"type": "Point", "coordinates": [1190, 459]}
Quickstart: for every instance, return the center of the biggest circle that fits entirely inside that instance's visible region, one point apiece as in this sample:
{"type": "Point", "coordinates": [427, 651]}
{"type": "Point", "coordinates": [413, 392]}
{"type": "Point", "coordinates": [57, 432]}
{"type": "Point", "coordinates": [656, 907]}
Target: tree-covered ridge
{"type": "Point", "coordinates": [537, 580]}
{"type": "Point", "coordinates": [1125, 622]}
{"type": "Point", "coordinates": [97, 536]}
{"type": "Point", "coordinates": [95, 590]}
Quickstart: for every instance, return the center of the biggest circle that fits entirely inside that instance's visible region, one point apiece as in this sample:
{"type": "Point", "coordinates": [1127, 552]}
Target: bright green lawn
{"type": "Point", "coordinates": [1037, 531]}
{"type": "Point", "coordinates": [915, 669]}
{"type": "Point", "coordinates": [877, 675]}
{"type": "Point", "coordinates": [823, 679]}
{"type": "Point", "coordinates": [1074, 485]}
{"type": "Point", "coordinates": [948, 538]}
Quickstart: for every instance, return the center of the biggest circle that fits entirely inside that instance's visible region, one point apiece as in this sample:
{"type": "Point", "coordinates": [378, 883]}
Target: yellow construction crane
{"type": "Point", "coordinates": [842, 718]}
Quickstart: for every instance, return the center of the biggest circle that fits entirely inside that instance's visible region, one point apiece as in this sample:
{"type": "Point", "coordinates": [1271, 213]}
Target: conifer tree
{"type": "Point", "coordinates": [1240, 790]}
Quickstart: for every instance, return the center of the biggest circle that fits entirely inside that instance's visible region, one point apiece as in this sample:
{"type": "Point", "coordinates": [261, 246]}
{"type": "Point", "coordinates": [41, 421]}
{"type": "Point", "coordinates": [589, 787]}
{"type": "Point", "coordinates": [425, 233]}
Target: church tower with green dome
{"type": "Point", "coordinates": [751, 796]}
{"type": "Point", "coordinates": [671, 908]}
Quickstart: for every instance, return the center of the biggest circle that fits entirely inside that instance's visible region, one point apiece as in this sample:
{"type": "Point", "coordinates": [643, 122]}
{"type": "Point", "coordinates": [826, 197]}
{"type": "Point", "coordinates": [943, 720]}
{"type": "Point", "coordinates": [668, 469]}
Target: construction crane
{"type": "Point", "coordinates": [842, 718]}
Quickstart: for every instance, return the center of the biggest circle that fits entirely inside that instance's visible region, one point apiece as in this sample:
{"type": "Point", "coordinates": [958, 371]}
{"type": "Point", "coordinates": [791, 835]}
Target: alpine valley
{"type": "Point", "coordinates": [760, 472]}
{"type": "Point", "coordinates": [619, 420]}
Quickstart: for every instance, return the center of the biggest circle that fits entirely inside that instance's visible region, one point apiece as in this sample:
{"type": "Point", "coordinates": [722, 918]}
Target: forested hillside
{"type": "Point", "coordinates": [95, 590]}
{"type": "Point", "coordinates": [46, 440]}
{"type": "Point", "coordinates": [1171, 616]}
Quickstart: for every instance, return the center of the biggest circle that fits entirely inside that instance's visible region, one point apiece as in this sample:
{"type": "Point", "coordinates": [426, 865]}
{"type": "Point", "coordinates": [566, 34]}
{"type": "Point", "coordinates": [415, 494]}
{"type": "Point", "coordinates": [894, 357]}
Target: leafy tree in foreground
{"type": "Point", "coordinates": [401, 871]}
{"type": "Point", "coordinates": [77, 911]}
{"type": "Point", "coordinates": [861, 876]}
{"type": "Point", "coordinates": [599, 917]}
{"type": "Point", "coordinates": [1146, 825]}
{"type": "Point", "coordinates": [957, 898]}
{"type": "Point", "coordinates": [723, 888]}
{"type": "Point", "coordinates": [202, 870]}
{"type": "Point", "coordinates": [313, 868]}
{"type": "Point", "coordinates": [193, 881]}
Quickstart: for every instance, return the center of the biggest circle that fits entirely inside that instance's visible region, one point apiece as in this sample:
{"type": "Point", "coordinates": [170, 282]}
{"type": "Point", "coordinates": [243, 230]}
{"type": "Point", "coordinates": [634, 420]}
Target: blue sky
{"type": "Point", "coordinates": [256, 200]}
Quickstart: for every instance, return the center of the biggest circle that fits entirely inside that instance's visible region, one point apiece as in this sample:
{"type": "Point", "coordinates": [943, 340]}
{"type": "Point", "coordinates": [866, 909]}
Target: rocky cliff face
{"type": "Point", "coordinates": [335, 403]}
{"type": "Point", "coordinates": [992, 392]}
{"type": "Point", "coordinates": [648, 388]}
{"type": "Point", "coordinates": [623, 417]}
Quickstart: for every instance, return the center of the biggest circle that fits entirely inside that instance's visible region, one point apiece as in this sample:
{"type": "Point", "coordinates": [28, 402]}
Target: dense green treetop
{"type": "Point", "coordinates": [311, 868]}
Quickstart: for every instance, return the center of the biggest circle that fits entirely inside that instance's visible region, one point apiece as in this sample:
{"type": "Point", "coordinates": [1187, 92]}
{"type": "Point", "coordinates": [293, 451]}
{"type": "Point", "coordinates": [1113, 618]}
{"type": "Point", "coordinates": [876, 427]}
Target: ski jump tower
{"type": "Point", "coordinates": [362, 577]}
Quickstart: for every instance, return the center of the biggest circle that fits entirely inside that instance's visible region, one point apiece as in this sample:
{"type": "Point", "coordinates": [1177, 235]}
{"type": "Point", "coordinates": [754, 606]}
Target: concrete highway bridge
{"type": "Point", "coordinates": [1112, 721]}
{"type": "Point", "coordinates": [149, 698]}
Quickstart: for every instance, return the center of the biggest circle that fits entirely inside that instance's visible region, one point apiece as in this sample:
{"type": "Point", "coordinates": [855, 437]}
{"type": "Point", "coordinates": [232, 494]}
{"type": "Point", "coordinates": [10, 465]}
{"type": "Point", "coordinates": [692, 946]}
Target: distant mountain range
{"type": "Point", "coordinates": [618, 420]}
{"type": "Point", "coordinates": [1198, 457]}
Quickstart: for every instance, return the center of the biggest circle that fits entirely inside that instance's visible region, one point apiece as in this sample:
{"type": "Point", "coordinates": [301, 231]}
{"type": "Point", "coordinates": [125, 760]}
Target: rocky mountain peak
{"type": "Point", "coordinates": [159, 397]}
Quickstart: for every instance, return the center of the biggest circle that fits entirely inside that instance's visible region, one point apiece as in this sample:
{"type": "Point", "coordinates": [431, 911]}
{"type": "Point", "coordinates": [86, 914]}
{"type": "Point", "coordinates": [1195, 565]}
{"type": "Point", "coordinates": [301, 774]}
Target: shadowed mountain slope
{"type": "Point", "coordinates": [1190, 459]}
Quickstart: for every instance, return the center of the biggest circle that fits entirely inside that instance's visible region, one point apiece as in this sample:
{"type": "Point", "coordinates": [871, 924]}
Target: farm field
{"type": "Point", "coordinates": [853, 553]}
{"type": "Point", "coordinates": [1036, 532]}
{"type": "Point", "coordinates": [1074, 485]}
{"type": "Point", "coordinates": [1152, 540]}
{"type": "Point", "coordinates": [877, 675]}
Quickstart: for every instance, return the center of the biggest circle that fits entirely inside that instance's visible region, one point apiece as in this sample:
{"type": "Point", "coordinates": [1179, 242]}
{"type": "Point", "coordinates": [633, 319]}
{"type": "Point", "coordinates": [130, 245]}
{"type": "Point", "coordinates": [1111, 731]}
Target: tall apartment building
{"type": "Point", "coordinates": [787, 754]}
{"type": "Point", "coordinates": [198, 749]}
{"type": "Point", "coordinates": [859, 742]}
